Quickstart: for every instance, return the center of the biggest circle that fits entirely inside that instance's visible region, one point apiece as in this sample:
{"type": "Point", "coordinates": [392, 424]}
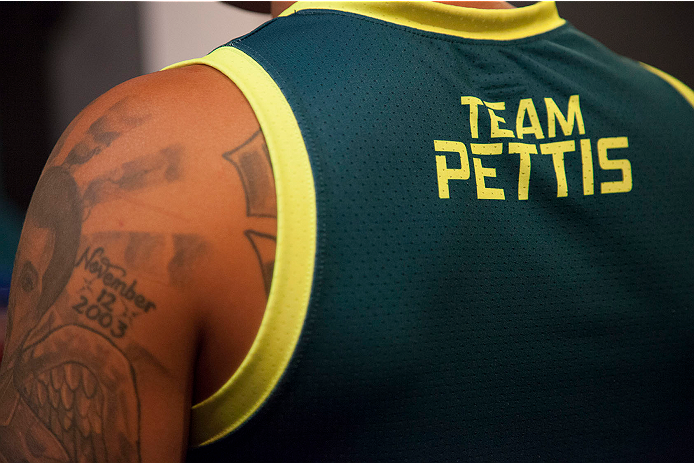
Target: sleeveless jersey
{"type": "Point", "coordinates": [485, 250]}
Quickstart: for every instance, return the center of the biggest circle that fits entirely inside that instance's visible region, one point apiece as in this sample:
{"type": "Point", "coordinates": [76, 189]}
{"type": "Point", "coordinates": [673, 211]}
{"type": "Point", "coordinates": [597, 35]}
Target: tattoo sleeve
{"type": "Point", "coordinates": [68, 393]}
{"type": "Point", "coordinates": [69, 377]}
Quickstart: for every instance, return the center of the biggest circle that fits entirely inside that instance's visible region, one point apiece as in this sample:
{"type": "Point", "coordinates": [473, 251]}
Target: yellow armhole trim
{"type": "Point", "coordinates": [686, 92]}
{"type": "Point", "coordinates": [287, 304]}
{"type": "Point", "coordinates": [471, 23]}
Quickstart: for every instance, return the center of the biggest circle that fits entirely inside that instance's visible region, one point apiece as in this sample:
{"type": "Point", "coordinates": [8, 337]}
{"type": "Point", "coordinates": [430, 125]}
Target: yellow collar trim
{"type": "Point", "coordinates": [471, 23]}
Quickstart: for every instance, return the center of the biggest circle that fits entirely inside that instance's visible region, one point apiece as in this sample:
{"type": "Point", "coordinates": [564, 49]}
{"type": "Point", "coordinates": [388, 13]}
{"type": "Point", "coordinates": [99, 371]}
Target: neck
{"type": "Point", "coordinates": [278, 7]}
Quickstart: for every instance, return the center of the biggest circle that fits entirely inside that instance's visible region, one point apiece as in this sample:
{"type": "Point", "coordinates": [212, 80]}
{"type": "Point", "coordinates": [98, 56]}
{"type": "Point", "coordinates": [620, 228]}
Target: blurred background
{"type": "Point", "coordinates": [59, 56]}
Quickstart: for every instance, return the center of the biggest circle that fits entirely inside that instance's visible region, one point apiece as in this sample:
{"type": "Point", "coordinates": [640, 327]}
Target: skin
{"type": "Point", "coordinates": [145, 258]}
{"type": "Point", "coordinates": [142, 272]}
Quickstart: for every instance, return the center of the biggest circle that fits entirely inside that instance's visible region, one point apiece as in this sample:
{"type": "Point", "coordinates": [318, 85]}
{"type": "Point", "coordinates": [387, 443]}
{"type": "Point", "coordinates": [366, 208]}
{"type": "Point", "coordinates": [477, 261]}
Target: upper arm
{"type": "Point", "coordinates": [137, 234]}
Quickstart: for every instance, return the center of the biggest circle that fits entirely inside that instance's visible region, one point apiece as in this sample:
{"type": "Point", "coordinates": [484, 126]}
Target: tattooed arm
{"type": "Point", "coordinates": [145, 260]}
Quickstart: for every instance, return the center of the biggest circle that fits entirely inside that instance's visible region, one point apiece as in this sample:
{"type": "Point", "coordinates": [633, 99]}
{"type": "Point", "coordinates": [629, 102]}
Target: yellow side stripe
{"type": "Point", "coordinates": [287, 305]}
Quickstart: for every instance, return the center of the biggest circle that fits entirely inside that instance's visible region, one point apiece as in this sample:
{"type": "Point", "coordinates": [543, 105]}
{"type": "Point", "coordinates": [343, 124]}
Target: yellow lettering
{"type": "Point", "coordinates": [526, 106]}
{"type": "Point", "coordinates": [587, 162]}
{"type": "Point", "coordinates": [620, 186]}
{"type": "Point", "coordinates": [573, 115]}
{"type": "Point", "coordinates": [557, 151]}
{"type": "Point", "coordinates": [497, 132]}
{"type": "Point", "coordinates": [474, 103]}
{"type": "Point", "coordinates": [443, 173]}
{"type": "Point", "coordinates": [486, 149]}
{"type": "Point", "coordinates": [484, 192]}
{"type": "Point", "coordinates": [524, 150]}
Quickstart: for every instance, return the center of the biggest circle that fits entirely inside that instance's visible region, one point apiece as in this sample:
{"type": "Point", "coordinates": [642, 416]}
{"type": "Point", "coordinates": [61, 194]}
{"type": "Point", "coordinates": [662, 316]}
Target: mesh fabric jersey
{"type": "Point", "coordinates": [495, 216]}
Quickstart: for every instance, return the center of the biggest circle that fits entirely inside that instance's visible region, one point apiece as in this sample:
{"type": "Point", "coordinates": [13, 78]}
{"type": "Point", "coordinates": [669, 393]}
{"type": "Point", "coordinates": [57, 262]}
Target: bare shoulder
{"type": "Point", "coordinates": [138, 232]}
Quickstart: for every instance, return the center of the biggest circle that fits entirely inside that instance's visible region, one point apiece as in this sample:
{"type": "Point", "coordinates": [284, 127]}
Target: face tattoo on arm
{"type": "Point", "coordinates": [67, 392]}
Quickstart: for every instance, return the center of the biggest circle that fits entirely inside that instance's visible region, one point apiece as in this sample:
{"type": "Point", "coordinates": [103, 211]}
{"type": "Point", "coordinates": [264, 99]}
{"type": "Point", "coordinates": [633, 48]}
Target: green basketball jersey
{"type": "Point", "coordinates": [485, 251]}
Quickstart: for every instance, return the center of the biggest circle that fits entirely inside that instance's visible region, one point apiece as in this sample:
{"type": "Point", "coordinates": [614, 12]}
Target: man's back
{"type": "Point", "coordinates": [483, 226]}
{"type": "Point", "coordinates": [494, 243]}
